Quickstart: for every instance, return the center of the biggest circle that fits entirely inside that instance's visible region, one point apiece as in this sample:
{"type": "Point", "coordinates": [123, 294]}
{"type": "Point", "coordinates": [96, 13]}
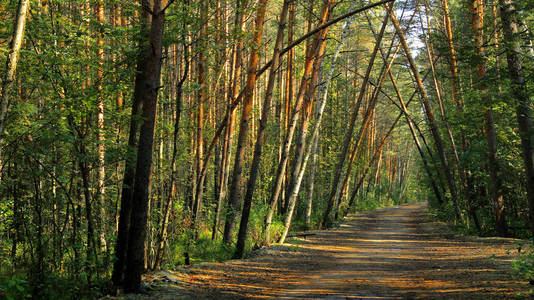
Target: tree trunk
{"type": "Point", "coordinates": [101, 174]}
{"type": "Point", "coordinates": [348, 135]}
{"type": "Point", "coordinates": [235, 186]}
{"type": "Point", "coordinates": [282, 166]}
{"type": "Point", "coordinates": [11, 62]}
{"type": "Point", "coordinates": [430, 117]}
{"type": "Point", "coordinates": [201, 98]}
{"type": "Point", "coordinates": [148, 93]}
{"type": "Point", "coordinates": [512, 46]}
{"type": "Point", "coordinates": [235, 71]}
{"type": "Point", "coordinates": [254, 168]}
{"type": "Point", "coordinates": [126, 207]}
{"type": "Point", "coordinates": [477, 19]}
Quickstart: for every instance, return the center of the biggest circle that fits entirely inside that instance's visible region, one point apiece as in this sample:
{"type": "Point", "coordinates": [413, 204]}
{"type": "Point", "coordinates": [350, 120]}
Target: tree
{"type": "Point", "coordinates": [11, 63]}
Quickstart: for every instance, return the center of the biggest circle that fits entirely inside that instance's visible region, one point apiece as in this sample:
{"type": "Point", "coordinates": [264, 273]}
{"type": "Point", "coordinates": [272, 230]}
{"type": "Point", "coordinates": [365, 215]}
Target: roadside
{"type": "Point", "coordinates": [392, 253]}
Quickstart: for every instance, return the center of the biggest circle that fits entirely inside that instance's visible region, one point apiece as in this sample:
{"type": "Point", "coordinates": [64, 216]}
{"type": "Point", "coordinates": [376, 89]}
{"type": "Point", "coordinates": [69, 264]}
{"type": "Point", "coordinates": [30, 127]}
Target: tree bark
{"type": "Point", "coordinates": [235, 186]}
{"type": "Point", "coordinates": [282, 166]}
{"type": "Point", "coordinates": [430, 117]}
{"type": "Point", "coordinates": [477, 24]}
{"type": "Point", "coordinates": [348, 135]}
{"type": "Point", "coordinates": [12, 62]}
{"type": "Point", "coordinates": [148, 94]}
{"type": "Point", "coordinates": [235, 71]}
{"type": "Point", "coordinates": [126, 206]}
{"type": "Point", "coordinates": [512, 46]}
{"type": "Point", "coordinates": [101, 174]}
{"type": "Point", "coordinates": [254, 168]}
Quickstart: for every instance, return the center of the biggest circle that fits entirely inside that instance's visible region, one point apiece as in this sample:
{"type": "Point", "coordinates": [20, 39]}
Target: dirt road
{"type": "Point", "coordinates": [393, 253]}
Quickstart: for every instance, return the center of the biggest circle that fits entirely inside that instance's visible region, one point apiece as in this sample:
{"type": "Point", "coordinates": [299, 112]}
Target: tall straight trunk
{"type": "Point", "coordinates": [500, 220]}
{"type": "Point", "coordinates": [254, 168]}
{"type": "Point", "coordinates": [235, 186]}
{"type": "Point", "coordinates": [201, 98]}
{"type": "Point", "coordinates": [429, 116]}
{"type": "Point", "coordinates": [455, 82]}
{"type": "Point", "coordinates": [12, 61]}
{"type": "Point", "coordinates": [512, 46]}
{"type": "Point", "coordinates": [126, 206]}
{"type": "Point", "coordinates": [91, 258]}
{"type": "Point", "coordinates": [101, 174]}
{"type": "Point", "coordinates": [233, 92]}
{"type": "Point", "coordinates": [148, 93]}
{"type": "Point", "coordinates": [171, 193]}
{"type": "Point", "coordinates": [477, 24]}
{"type": "Point", "coordinates": [282, 166]}
{"type": "Point", "coordinates": [348, 135]}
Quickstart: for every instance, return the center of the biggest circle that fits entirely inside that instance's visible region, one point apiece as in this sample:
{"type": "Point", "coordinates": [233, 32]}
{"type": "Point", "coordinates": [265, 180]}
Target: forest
{"type": "Point", "coordinates": [145, 135]}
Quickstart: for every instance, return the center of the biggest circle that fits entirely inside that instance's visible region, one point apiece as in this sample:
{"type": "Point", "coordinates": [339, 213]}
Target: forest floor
{"type": "Point", "coordinates": [391, 253]}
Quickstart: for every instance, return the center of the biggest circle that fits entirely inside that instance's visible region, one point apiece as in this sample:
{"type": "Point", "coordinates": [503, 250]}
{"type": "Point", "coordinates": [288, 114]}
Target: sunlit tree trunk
{"type": "Point", "coordinates": [282, 166]}
{"type": "Point", "coordinates": [254, 168]}
{"type": "Point", "coordinates": [348, 135]}
{"type": "Point", "coordinates": [233, 92]}
{"type": "Point", "coordinates": [429, 117]}
{"type": "Point", "coordinates": [101, 174]}
{"type": "Point", "coordinates": [12, 62]}
{"type": "Point", "coordinates": [235, 186]}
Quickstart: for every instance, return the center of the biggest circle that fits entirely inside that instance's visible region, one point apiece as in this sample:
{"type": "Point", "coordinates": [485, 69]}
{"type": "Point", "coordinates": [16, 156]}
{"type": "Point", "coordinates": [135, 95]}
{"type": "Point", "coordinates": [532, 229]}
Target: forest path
{"type": "Point", "coordinates": [391, 253]}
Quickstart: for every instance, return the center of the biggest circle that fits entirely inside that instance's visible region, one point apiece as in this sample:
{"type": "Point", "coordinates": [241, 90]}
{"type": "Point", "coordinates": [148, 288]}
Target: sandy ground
{"type": "Point", "coordinates": [392, 253]}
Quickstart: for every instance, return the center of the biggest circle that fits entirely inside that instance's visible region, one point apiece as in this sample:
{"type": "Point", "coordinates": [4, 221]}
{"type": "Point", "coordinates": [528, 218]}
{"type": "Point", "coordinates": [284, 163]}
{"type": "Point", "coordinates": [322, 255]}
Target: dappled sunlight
{"type": "Point", "coordinates": [384, 254]}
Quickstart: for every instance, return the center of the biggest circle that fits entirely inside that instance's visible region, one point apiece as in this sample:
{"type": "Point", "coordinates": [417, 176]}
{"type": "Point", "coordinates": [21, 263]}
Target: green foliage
{"type": "Point", "coordinates": [524, 263]}
{"type": "Point", "coordinates": [15, 289]}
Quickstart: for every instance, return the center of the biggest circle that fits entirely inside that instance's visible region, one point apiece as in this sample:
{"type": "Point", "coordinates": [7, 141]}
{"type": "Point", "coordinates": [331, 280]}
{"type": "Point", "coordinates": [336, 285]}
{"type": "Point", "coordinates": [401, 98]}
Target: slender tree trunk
{"type": "Point", "coordinates": [101, 174]}
{"type": "Point", "coordinates": [240, 247]}
{"type": "Point", "coordinates": [303, 150]}
{"type": "Point", "coordinates": [477, 19]}
{"type": "Point", "coordinates": [172, 181]}
{"type": "Point", "coordinates": [282, 166]}
{"type": "Point", "coordinates": [348, 135]}
{"type": "Point", "coordinates": [235, 73]}
{"type": "Point", "coordinates": [404, 109]}
{"type": "Point", "coordinates": [430, 117]}
{"type": "Point", "coordinates": [201, 98]}
{"type": "Point", "coordinates": [235, 186]}
{"type": "Point", "coordinates": [12, 62]}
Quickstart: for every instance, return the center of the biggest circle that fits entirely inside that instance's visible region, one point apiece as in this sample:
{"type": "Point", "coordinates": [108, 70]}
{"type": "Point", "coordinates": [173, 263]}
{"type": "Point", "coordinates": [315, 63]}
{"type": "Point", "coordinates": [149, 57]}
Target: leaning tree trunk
{"type": "Point", "coordinates": [235, 187]}
{"type": "Point", "coordinates": [429, 116]}
{"type": "Point", "coordinates": [323, 96]}
{"type": "Point", "coordinates": [348, 134]}
{"type": "Point", "coordinates": [282, 166]}
{"type": "Point", "coordinates": [126, 206]}
{"type": "Point", "coordinates": [254, 168]}
{"type": "Point", "coordinates": [148, 94]}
